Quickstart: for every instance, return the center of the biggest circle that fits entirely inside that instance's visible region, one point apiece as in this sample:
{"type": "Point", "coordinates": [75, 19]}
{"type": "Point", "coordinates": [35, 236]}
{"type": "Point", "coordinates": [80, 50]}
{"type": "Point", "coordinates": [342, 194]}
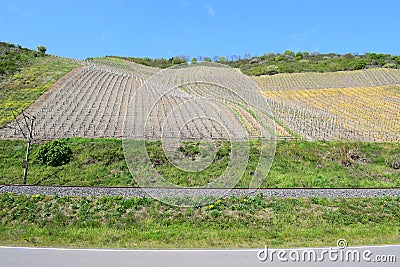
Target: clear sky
{"type": "Point", "coordinates": [167, 28]}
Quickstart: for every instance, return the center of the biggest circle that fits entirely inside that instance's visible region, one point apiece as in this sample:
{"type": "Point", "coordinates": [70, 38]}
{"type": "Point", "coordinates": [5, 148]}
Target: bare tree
{"type": "Point", "coordinates": [26, 129]}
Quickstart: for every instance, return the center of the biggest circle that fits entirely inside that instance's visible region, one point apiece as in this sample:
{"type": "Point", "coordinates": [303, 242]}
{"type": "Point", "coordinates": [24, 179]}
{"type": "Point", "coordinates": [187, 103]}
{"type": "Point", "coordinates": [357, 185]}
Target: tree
{"type": "Point", "coordinates": [222, 59]}
{"type": "Point", "coordinates": [42, 49]}
{"type": "Point", "coordinates": [234, 57]}
{"type": "Point", "coordinates": [194, 60]}
{"type": "Point", "coordinates": [177, 60]}
{"type": "Point", "coordinates": [396, 59]}
{"type": "Point", "coordinates": [184, 57]}
{"type": "Point", "coordinates": [278, 58]}
{"type": "Point", "coordinates": [360, 64]}
{"type": "Point", "coordinates": [299, 56]}
{"type": "Point", "coordinates": [289, 53]}
{"type": "Point", "coordinates": [271, 70]}
{"type": "Point", "coordinates": [348, 56]}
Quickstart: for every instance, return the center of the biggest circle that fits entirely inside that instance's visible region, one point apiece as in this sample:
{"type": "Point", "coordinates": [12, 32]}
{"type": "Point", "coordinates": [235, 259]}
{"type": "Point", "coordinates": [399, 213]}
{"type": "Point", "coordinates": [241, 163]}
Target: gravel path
{"type": "Point", "coordinates": [167, 192]}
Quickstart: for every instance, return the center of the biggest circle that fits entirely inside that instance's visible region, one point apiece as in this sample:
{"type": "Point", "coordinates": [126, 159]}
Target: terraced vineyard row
{"type": "Point", "coordinates": [96, 102]}
{"type": "Point", "coordinates": [213, 101]}
{"type": "Point", "coordinates": [91, 103]}
{"type": "Point", "coordinates": [359, 78]}
{"type": "Point", "coordinates": [365, 113]}
{"type": "Point", "coordinates": [195, 102]}
{"type": "Point", "coordinates": [123, 66]}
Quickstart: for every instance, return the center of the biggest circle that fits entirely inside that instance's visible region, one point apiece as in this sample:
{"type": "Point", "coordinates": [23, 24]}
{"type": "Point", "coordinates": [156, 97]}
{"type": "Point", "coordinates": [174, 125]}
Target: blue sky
{"type": "Point", "coordinates": [167, 28]}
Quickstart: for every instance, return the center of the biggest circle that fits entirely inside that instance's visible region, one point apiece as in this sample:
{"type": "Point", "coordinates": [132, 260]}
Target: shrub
{"type": "Point", "coordinates": [360, 64]}
{"type": "Point", "coordinates": [289, 53]}
{"type": "Point", "coordinates": [177, 61]}
{"type": "Point", "coordinates": [299, 56]}
{"type": "Point", "coordinates": [261, 70]}
{"type": "Point", "coordinates": [390, 66]}
{"type": "Point", "coordinates": [42, 49]}
{"type": "Point", "coordinates": [271, 70]}
{"type": "Point", "coordinates": [54, 153]}
{"type": "Point", "coordinates": [256, 70]}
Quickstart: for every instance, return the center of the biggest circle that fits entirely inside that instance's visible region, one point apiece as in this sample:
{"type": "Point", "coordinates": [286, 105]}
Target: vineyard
{"type": "Point", "coordinates": [358, 105]}
{"type": "Point", "coordinates": [343, 79]}
{"type": "Point", "coordinates": [90, 102]}
{"type": "Point", "coordinates": [364, 114]}
{"type": "Point", "coordinates": [110, 98]}
{"type": "Point", "coordinates": [95, 101]}
{"type": "Point", "coordinates": [202, 101]}
{"type": "Point", "coordinates": [20, 89]}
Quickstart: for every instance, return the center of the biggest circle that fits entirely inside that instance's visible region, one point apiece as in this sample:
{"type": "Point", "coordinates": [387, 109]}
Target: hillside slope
{"type": "Point", "coordinates": [25, 75]}
{"type": "Point", "coordinates": [358, 105]}
{"type": "Point", "coordinates": [342, 79]}
{"type": "Point", "coordinates": [92, 101]}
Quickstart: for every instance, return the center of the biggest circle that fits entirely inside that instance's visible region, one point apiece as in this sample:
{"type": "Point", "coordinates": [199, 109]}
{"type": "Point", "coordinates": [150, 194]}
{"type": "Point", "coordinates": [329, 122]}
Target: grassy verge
{"type": "Point", "coordinates": [95, 162]}
{"type": "Point", "coordinates": [100, 162]}
{"type": "Point", "coordinates": [227, 223]}
{"type": "Point", "coordinates": [22, 88]}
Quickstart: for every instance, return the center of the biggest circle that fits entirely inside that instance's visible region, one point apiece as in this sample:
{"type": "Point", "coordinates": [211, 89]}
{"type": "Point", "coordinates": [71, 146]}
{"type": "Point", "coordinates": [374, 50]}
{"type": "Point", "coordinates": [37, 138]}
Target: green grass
{"type": "Point", "coordinates": [13, 58]}
{"type": "Point", "coordinates": [335, 164]}
{"type": "Point", "coordinates": [100, 162]}
{"type": "Point", "coordinates": [244, 222]}
{"type": "Point", "coordinates": [95, 162]}
{"type": "Point", "coordinates": [115, 60]}
{"type": "Point", "coordinates": [23, 87]}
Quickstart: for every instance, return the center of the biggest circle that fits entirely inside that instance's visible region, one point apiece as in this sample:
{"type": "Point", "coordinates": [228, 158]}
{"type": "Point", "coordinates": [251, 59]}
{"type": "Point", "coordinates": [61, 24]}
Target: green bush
{"type": "Point", "coordinates": [271, 70]}
{"type": "Point", "coordinates": [261, 70]}
{"type": "Point", "coordinates": [42, 49]}
{"type": "Point", "coordinates": [360, 64]}
{"type": "Point", "coordinates": [177, 60]}
{"type": "Point", "coordinates": [54, 153]}
{"type": "Point", "coordinates": [299, 56]}
{"type": "Point", "coordinates": [390, 66]}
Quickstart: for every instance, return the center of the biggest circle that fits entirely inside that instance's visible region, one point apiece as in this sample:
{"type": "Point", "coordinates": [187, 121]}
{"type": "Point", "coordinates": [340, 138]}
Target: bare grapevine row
{"type": "Point", "coordinates": [112, 99]}
{"type": "Point", "coordinates": [364, 114]}
{"type": "Point", "coordinates": [359, 78]}
{"type": "Point", "coordinates": [102, 97]}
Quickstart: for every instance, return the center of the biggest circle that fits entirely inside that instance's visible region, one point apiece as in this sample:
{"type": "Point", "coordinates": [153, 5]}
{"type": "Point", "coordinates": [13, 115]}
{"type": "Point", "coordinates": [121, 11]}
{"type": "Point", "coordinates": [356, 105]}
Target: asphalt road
{"type": "Point", "coordinates": [44, 257]}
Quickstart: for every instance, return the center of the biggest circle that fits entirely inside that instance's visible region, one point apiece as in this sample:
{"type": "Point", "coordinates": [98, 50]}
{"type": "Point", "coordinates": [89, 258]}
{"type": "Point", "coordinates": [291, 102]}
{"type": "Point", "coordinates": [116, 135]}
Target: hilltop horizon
{"type": "Point", "coordinates": [266, 64]}
{"type": "Point", "coordinates": [212, 57]}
